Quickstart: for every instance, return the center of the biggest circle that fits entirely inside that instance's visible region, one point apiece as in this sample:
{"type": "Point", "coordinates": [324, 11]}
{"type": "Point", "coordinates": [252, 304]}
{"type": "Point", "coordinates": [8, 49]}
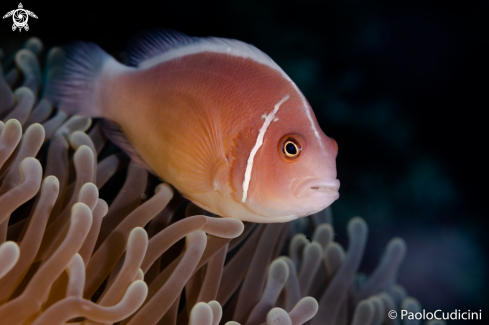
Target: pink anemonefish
{"type": "Point", "coordinates": [216, 118]}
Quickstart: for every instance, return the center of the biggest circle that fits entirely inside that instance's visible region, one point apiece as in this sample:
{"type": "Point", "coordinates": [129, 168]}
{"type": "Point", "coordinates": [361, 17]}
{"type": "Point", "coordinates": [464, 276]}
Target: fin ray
{"type": "Point", "coordinates": [148, 44]}
{"type": "Point", "coordinates": [114, 134]}
{"type": "Point", "coordinates": [201, 153]}
{"type": "Point", "coordinates": [72, 87]}
{"type": "Point", "coordinates": [162, 44]}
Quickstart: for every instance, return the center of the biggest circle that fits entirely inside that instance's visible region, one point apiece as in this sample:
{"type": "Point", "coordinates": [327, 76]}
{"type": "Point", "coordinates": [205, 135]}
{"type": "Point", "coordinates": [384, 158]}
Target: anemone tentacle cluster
{"type": "Point", "coordinates": [66, 256]}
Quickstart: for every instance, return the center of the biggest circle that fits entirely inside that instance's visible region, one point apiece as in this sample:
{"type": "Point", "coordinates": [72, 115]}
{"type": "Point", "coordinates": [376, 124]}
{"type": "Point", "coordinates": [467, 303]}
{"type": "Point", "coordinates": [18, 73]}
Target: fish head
{"type": "Point", "coordinates": [295, 173]}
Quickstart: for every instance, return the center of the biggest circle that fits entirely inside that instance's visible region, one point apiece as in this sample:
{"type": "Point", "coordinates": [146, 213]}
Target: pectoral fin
{"type": "Point", "coordinates": [114, 134]}
{"type": "Point", "coordinates": [200, 154]}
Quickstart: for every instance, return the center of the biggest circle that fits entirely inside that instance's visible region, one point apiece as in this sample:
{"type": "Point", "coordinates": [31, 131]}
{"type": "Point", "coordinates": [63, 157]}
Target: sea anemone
{"type": "Point", "coordinates": [150, 257]}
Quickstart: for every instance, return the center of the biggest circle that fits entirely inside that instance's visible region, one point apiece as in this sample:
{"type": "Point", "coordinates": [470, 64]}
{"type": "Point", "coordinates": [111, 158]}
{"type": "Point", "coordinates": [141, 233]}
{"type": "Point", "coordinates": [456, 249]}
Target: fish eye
{"type": "Point", "coordinates": [290, 147]}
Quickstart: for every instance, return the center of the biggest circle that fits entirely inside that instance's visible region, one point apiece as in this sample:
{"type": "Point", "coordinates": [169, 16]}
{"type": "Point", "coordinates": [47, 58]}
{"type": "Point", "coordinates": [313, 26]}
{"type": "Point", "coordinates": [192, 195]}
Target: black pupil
{"type": "Point", "coordinates": [291, 149]}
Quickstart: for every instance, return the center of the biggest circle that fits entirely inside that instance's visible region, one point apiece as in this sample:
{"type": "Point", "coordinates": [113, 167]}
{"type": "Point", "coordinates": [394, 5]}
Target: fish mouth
{"type": "Point", "coordinates": [315, 187]}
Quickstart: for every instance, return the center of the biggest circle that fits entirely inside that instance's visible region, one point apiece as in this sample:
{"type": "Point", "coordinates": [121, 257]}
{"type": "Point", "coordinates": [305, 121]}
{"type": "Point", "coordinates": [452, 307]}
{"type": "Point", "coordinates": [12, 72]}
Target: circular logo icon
{"type": "Point", "coordinates": [392, 314]}
{"type": "Point", "coordinates": [20, 17]}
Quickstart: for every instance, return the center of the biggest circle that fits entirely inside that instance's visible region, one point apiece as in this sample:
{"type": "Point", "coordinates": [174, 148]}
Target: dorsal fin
{"type": "Point", "coordinates": [148, 44]}
{"type": "Point", "coordinates": [160, 45]}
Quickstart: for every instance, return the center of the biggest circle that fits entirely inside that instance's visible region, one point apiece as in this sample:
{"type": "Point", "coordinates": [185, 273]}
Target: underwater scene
{"type": "Point", "coordinates": [104, 216]}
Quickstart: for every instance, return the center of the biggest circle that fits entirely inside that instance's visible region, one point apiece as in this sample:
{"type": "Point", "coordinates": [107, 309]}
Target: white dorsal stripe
{"type": "Point", "coordinates": [308, 114]}
{"type": "Point", "coordinates": [215, 45]}
{"type": "Point", "coordinates": [235, 48]}
{"type": "Point", "coordinates": [259, 141]}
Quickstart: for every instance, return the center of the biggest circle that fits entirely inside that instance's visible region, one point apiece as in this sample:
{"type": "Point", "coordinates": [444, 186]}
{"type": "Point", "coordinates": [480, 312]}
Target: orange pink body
{"type": "Point", "coordinates": [222, 123]}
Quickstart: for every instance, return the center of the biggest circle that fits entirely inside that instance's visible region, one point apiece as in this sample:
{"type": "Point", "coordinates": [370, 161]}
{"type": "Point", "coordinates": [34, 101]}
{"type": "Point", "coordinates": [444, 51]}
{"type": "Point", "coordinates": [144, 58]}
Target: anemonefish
{"type": "Point", "coordinates": [216, 118]}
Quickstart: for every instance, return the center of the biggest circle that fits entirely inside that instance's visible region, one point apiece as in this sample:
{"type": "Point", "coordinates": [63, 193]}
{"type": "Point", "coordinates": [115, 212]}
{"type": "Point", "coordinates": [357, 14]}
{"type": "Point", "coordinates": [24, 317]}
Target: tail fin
{"type": "Point", "coordinates": [72, 83]}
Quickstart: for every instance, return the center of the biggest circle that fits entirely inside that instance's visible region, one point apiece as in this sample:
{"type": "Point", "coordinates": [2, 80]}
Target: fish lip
{"type": "Point", "coordinates": [314, 187]}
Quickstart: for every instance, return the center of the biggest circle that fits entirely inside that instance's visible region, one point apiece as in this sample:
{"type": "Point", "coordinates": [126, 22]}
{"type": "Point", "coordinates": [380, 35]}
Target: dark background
{"type": "Point", "coordinates": [401, 85]}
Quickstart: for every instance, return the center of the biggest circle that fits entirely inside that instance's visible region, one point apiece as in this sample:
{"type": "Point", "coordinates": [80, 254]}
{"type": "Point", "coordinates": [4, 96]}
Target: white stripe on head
{"type": "Point", "coordinates": [308, 113]}
{"type": "Point", "coordinates": [259, 141]}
